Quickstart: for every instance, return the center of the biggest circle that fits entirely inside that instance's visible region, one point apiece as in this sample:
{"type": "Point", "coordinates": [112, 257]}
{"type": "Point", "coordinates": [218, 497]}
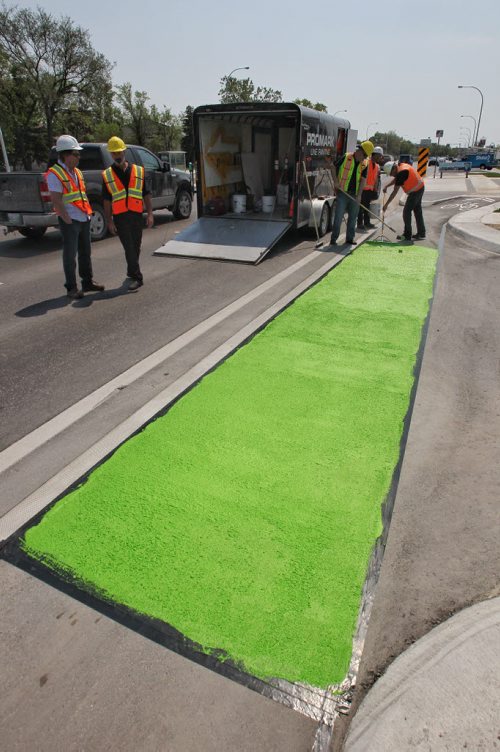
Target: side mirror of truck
{"type": "Point", "coordinates": [165, 166]}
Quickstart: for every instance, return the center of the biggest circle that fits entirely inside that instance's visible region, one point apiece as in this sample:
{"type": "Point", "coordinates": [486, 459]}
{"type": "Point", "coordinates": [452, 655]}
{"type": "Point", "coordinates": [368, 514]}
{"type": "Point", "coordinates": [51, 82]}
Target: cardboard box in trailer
{"type": "Point", "coordinates": [262, 169]}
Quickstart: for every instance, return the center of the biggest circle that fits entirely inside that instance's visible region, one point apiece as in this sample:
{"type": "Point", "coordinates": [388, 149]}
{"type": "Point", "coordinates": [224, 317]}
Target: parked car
{"type": "Point", "coordinates": [406, 159]}
{"type": "Point", "coordinates": [25, 203]}
{"type": "Point", "coordinates": [386, 158]}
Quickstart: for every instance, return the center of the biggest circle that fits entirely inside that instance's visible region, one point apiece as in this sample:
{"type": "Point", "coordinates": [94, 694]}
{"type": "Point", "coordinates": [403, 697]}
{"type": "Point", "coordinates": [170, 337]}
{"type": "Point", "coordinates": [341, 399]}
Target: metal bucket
{"type": "Point", "coordinates": [239, 203]}
{"type": "Point", "coordinates": [268, 204]}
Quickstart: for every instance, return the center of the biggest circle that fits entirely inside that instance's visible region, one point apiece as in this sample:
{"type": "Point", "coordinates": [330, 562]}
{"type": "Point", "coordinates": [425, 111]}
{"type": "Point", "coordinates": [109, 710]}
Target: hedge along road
{"type": "Point", "coordinates": [246, 515]}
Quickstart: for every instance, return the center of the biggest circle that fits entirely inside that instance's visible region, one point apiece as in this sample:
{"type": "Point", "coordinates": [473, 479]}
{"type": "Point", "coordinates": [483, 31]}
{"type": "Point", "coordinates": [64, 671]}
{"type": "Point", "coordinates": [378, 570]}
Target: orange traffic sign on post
{"type": "Point", "coordinates": [423, 159]}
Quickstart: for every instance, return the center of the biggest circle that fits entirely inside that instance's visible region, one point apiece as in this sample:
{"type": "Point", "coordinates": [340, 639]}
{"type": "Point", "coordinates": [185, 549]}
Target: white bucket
{"type": "Point", "coordinates": [239, 203]}
{"type": "Point", "coordinates": [268, 204]}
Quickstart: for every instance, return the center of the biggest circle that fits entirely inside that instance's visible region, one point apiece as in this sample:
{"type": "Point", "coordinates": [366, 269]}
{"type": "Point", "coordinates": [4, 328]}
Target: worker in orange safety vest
{"type": "Point", "coordinates": [69, 198]}
{"type": "Point", "coordinates": [371, 190]}
{"type": "Point", "coordinates": [349, 178]}
{"type": "Point", "coordinates": [125, 194]}
{"type": "Point", "coordinates": [405, 176]}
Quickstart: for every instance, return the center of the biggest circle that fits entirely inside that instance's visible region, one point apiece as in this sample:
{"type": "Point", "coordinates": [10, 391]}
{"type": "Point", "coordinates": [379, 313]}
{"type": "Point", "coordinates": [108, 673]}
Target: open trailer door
{"type": "Point", "coordinates": [227, 239]}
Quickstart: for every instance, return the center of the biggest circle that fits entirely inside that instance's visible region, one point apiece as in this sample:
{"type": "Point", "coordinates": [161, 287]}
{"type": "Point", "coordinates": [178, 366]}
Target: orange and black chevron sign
{"type": "Point", "coordinates": [423, 158]}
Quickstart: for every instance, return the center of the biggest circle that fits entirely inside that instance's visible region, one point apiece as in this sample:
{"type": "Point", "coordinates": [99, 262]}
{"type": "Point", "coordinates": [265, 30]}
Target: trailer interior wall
{"type": "Point", "coordinates": [246, 154]}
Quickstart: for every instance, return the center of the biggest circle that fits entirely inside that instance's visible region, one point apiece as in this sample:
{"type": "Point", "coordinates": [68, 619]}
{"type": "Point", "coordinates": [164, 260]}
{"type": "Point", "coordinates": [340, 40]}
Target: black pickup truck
{"type": "Point", "coordinates": [25, 203]}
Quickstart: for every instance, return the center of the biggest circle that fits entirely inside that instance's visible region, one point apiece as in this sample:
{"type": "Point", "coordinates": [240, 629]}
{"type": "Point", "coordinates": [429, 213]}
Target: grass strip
{"type": "Point", "coordinates": [246, 515]}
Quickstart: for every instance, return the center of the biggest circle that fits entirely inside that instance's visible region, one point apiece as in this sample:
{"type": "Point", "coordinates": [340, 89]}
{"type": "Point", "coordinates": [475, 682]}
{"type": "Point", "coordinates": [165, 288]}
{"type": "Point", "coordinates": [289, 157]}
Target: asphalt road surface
{"type": "Point", "coordinates": [76, 680]}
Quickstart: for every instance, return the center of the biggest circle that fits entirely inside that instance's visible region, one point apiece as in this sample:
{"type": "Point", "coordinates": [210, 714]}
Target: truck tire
{"type": "Point", "coordinates": [34, 233]}
{"type": "Point", "coordinates": [482, 166]}
{"type": "Point", "coordinates": [98, 224]}
{"type": "Point", "coordinates": [324, 221]}
{"type": "Point", "coordinates": [183, 204]}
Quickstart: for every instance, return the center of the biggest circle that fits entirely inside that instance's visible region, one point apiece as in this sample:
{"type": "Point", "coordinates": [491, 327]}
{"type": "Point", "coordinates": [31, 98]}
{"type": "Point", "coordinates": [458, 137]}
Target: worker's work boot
{"type": "Point", "coordinates": [75, 294]}
{"type": "Point", "coordinates": [92, 287]}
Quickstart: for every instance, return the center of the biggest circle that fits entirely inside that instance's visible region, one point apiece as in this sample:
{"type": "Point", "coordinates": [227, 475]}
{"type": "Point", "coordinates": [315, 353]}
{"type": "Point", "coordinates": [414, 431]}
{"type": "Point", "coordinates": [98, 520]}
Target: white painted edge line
{"type": "Point", "coordinates": [44, 433]}
{"type": "Point", "coordinates": [43, 496]}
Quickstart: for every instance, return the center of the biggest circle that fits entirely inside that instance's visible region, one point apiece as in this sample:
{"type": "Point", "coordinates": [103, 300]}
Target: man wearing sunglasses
{"type": "Point", "coordinates": [67, 191]}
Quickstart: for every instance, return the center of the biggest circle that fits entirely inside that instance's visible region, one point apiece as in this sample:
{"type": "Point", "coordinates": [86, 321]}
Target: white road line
{"type": "Point", "coordinates": [42, 497]}
{"type": "Point", "coordinates": [51, 428]}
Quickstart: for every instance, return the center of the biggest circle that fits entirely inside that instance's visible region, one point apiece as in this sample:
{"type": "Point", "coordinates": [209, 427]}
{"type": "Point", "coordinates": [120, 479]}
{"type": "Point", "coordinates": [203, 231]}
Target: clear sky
{"type": "Point", "coordinates": [391, 62]}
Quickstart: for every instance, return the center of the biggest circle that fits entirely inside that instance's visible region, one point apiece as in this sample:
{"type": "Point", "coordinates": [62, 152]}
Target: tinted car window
{"type": "Point", "coordinates": [90, 158]}
{"type": "Point", "coordinates": [149, 160]}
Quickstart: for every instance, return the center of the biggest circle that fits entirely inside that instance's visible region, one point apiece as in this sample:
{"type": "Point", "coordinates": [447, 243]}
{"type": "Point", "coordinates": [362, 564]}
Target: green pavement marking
{"type": "Point", "coordinates": [245, 516]}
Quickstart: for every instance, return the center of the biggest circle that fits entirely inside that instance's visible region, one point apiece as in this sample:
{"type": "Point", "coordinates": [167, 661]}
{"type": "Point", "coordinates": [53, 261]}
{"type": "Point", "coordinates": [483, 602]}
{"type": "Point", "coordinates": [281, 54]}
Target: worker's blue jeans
{"type": "Point", "coordinates": [76, 242]}
{"type": "Point", "coordinates": [343, 204]}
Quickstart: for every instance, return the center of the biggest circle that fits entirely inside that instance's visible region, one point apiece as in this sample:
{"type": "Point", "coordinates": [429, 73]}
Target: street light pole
{"type": "Point", "coordinates": [368, 128]}
{"type": "Point", "coordinates": [245, 67]}
{"type": "Point", "coordinates": [476, 138]}
{"type": "Point", "coordinates": [337, 112]}
{"type": "Point", "coordinates": [463, 128]}
{"type": "Point", "coordinates": [475, 122]}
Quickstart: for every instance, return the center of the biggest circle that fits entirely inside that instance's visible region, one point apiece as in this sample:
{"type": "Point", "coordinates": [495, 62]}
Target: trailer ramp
{"type": "Point", "coordinates": [227, 239]}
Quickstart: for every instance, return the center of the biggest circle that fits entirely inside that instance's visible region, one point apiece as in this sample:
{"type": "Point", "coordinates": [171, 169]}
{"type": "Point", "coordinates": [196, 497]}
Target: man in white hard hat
{"type": "Point", "coordinates": [349, 177]}
{"type": "Point", "coordinates": [67, 191]}
{"type": "Point", "coordinates": [371, 190]}
{"type": "Point", "coordinates": [125, 194]}
{"type": "Point", "coordinates": [405, 176]}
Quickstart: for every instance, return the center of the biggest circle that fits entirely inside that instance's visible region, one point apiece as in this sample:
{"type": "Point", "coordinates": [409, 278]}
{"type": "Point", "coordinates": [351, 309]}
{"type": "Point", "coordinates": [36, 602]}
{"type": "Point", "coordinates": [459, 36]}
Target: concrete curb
{"type": "Point", "coordinates": [440, 694]}
{"type": "Point", "coordinates": [468, 226]}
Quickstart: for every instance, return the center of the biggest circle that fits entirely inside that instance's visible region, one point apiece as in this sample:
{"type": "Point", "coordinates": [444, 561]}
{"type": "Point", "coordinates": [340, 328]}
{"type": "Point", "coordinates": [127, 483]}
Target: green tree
{"type": "Point", "coordinates": [307, 103]}
{"type": "Point", "coordinates": [149, 126]}
{"type": "Point", "coordinates": [134, 111]}
{"type": "Point", "coordinates": [244, 90]}
{"type": "Point", "coordinates": [55, 57]}
{"type": "Point", "coordinates": [165, 129]}
{"type": "Point", "coordinates": [22, 122]}
{"type": "Point", "coordinates": [187, 142]}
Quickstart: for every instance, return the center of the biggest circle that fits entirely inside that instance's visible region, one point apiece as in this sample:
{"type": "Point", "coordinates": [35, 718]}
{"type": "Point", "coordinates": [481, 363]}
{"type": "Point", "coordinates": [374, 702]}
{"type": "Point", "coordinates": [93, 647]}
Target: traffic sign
{"type": "Point", "coordinates": [423, 158]}
{"type": "Point", "coordinates": [439, 134]}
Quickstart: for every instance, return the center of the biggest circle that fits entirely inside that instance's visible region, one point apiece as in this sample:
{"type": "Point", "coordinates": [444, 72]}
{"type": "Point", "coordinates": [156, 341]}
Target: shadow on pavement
{"type": "Point", "coordinates": [44, 306]}
{"type": "Point", "coordinates": [21, 248]}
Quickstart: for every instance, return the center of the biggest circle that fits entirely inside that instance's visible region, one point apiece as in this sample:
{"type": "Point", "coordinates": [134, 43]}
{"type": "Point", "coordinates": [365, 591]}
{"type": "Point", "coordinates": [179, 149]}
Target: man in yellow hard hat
{"type": "Point", "coordinates": [125, 194]}
{"type": "Point", "coordinates": [349, 177]}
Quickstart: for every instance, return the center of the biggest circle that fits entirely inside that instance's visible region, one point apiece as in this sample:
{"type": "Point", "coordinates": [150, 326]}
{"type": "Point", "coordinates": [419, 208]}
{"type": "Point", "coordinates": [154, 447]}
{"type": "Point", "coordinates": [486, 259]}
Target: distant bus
{"type": "Point", "coordinates": [483, 160]}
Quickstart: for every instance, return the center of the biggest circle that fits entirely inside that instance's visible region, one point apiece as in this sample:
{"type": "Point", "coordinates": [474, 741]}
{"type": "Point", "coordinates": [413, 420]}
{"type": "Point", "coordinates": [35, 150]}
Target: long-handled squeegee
{"type": "Point", "coordinates": [361, 206]}
{"type": "Point", "coordinates": [319, 243]}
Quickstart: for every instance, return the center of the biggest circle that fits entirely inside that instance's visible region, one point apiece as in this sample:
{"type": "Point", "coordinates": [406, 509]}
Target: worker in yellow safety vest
{"type": "Point", "coordinates": [124, 194]}
{"type": "Point", "coordinates": [69, 198]}
{"type": "Point", "coordinates": [405, 176]}
{"type": "Point", "coordinates": [349, 174]}
{"type": "Point", "coordinates": [371, 191]}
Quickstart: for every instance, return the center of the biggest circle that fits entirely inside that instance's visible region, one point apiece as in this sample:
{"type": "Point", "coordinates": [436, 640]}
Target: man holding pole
{"type": "Point", "coordinates": [406, 177]}
{"type": "Point", "coordinates": [349, 177]}
{"type": "Point", "coordinates": [371, 190]}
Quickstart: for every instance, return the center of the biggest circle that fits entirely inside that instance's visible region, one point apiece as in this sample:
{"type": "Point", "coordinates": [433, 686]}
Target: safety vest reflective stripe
{"type": "Point", "coordinates": [73, 193]}
{"type": "Point", "coordinates": [413, 182]}
{"type": "Point", "coordinates": [371, 180]}
{"type": "Point", "coordinates": [346, 170]}
{"type": "Point", "coordinates": [124, 200]}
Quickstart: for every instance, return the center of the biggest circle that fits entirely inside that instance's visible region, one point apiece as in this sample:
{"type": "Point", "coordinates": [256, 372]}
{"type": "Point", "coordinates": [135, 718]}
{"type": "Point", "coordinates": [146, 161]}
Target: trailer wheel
{"type": "Point", "coordinates": [98, 225]}
{"type": "Point", "coordinates": [34, 233]}
{"type": "Point", "coordinates": [324, 222]}
{"type": "Point", "coordinates": [183, 203]}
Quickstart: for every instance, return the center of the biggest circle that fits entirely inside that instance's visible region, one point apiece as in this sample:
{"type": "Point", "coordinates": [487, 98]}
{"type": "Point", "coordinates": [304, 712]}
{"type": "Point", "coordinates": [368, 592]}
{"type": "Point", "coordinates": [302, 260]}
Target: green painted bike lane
{"type": "Point", "coordinates": [245, 516]}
